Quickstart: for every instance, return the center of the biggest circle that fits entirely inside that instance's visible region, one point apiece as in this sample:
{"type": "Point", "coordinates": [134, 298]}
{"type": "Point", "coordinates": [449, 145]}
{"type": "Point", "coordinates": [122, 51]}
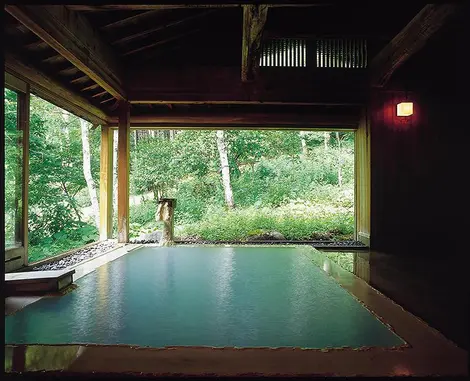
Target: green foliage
{"type": "Point", "coordinates": [271, 182]}
{"type": "Point", "coordinates": [12, 166]}
{"type": "Point", "coordinates": [74, 235]}
{"type": "Point", "coordinates": [275, 186]}
{"type": "Point", "coordinates": [237, 225]}
{"type": "Point", "coordinates": [55, 179]}
{"type": "Point", "coordinates": [144, 212]}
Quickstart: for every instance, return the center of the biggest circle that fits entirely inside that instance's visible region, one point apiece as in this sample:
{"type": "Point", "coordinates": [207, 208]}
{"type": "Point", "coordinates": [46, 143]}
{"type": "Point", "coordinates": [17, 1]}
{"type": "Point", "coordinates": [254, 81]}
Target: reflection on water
{"type": "Point", "coordinates": [213, 296]}
{"type": "Point", "coordinates": [38, 358]}
{"type": "Point", "coordinates": [357, 263]}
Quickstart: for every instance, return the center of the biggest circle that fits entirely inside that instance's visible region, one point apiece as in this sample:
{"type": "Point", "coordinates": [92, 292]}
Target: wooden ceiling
{"type": "Point", "coordinates": [141, 38]}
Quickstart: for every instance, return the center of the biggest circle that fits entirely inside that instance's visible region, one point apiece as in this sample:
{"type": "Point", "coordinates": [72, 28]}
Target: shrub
{"type": "Point", "coordinates": [240, 224]}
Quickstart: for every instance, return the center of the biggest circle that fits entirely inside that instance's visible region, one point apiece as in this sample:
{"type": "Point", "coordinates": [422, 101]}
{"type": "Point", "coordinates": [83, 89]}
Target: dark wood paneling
{"type": "Point", "coordinates": [211, 84]}
{"type": "Point", "coordinates": [419, 164]}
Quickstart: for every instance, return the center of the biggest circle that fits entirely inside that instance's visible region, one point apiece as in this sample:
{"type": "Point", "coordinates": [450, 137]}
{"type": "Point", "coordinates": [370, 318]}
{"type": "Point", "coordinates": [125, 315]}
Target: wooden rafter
{"type": "Point", "coordinates": [57, 58]}
{"type": "Point", "coordinates": [158, 28]}
{"type": "Point", "coordinates": [254, 19]}
{"type": "Point", "coordinates": [100, 94]}
{"type": "Point", "coordinates": [73, 37]}
{"type": "Point", "coordinates": [161, 42]}
{"type": "Point", "coordinates": [81, 79]}
{"type": "Point", "coordinates": [107, 100]}
{"type": "Point", "coordinates": [410, 40]}
{"type": "Point", "coordinates": [130, 20]}
{"type": "Point", "coordinates": [91, 87]}
{"type": "Point", "coordinates": [53, 91]}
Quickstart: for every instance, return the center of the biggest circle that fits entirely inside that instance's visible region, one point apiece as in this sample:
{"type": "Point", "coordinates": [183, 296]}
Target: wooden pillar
{"type": "Point", "coordinates": [123, 171]}
{"type": "Point", "coordinates": [106, 183]}
{"type": "Point", "coordinates": [23, 125]}
{"type": "Point", "coordinates": [362, 179]}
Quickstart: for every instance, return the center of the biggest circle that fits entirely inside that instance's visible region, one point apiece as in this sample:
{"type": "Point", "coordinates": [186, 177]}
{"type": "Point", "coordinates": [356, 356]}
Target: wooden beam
{"type": "Point", "coordinates": [106, 183]}
{"type": "Point", "coordinates": [138, 7]}
{"type": "Point", "coordinates": [15, 84]}
{"type": "Point", "coordinates": [149, 7]}
{"type": "Point", "coordinates": [222, 84]}
{"type": "Point", "coordinates": [23, 126]}
{"type": "Point", "coordinates": [254, 19]}
{"type": "Point", "coordinates": [273, 120]}
{"type": "Point", "coordinates": [53, 91]}
{"type": "Point", "coordinates": [71, 35]}
{"type": "Point", "coordinates": [410, 40]}
{"type": "Point", "coordinates": [123, 172]}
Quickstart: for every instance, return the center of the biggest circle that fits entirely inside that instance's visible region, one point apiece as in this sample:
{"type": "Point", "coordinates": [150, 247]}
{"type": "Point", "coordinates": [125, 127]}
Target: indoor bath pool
{"type": "Point", "coordinates": [236, 296]}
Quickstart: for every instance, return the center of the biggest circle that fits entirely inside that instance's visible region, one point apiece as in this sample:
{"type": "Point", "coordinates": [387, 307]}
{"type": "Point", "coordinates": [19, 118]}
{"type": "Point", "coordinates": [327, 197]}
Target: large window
{"type": "Point", "coordinates": [237, 185]}
{"type": "Point", "coordinates": [63, 181]}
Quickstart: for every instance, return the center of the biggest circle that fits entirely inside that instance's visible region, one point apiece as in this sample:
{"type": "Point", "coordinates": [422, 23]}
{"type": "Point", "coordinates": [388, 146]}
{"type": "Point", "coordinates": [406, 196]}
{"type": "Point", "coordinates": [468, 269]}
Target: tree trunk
{"type": "Point", "coordinates": [303, 134]}
{"type": "Point", "coordinates": [326, 137]}
{"type": "Point", "coordinates": [87, 172]}
{"type": "Point", "coordinates": [340, 159]}
{"type": "Point", "coordinates": [115, 152]}
{"type": "Point", "coordinates": [65, 128]}
{"type": "Point", "coordinates": [222, 147]}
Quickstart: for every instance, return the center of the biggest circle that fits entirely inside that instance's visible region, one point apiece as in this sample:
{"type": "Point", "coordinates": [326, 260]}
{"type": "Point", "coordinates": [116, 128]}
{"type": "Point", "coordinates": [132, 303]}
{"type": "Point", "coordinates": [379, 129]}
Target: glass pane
{"type": "Point", "coordinates": [13, 172]}
{"type": "Point", "coordinates": [244, 185]}
{"type": "Point", "coordinates": [63, 181]}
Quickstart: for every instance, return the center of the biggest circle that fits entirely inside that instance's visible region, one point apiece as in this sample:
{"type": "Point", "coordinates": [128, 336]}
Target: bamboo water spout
{"type": "Point", "coordinates": [165, 213]}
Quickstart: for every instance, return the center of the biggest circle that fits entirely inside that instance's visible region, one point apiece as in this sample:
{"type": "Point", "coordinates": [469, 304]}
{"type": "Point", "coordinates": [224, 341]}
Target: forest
{"type": "Point", "coordinates": [230, 185]}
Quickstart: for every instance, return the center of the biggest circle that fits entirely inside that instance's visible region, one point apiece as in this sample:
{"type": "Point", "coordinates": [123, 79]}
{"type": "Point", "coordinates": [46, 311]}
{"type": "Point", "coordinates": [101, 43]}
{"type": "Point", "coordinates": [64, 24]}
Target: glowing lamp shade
{"type": "Point", "coordinates": [405, 109]}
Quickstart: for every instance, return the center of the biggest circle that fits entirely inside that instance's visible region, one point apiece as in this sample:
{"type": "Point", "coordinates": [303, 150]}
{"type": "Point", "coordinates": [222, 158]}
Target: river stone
{"type": "Point", "coordinates": [154, 236]}
{"type": "Point", "coordinates": [267, 236]}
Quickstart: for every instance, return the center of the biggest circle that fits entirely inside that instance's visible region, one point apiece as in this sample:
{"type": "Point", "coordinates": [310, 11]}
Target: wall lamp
{"type": "Point", "coordinates": [405, 109]}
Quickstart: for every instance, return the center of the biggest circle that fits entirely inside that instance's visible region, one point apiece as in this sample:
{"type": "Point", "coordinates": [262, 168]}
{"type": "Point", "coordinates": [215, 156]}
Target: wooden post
{"type": "Point", "coordinates": [106, 183]}
{"type": "Point", "coordinates": [23, 125]}
{"type": "Point", "coordinates": [254, 19]}
{"type": "Point", "coordinates": [165, 213]}
{"type": "Point", "coordinates": [362, 181]}
{"type": "Point", "coordinates": [123, 172]}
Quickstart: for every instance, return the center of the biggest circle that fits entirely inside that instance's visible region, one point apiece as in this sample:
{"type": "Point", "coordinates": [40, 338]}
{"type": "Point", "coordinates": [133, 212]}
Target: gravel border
{"type": "Point", "coordinates": [77, 257]}
{"type": "Point", "coordinates": [352, 244]}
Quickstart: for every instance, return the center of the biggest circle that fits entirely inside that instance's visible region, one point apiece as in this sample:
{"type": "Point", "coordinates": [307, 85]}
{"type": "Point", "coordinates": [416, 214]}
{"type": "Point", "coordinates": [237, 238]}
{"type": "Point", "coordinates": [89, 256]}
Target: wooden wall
{"type": "Point", "coordinates": [419, 164]}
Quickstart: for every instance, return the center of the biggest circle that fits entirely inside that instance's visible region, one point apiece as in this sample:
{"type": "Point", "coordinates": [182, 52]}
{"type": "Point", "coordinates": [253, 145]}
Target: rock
{"type": "Point", "coordinates": [267, 236]}
{"type": "Point", "coordinates": [276, 236]}
{"type": "Point", "coordinates": [154, 236]}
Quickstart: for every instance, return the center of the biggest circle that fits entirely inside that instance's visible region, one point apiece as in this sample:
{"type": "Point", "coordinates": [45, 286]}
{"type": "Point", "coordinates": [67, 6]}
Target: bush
{"type": "Point", "coordinates": [143, 213]}
{"type": "Point", "coordinates": [74, 236]}
{"type": "Point", "coordinates": [219, 224]}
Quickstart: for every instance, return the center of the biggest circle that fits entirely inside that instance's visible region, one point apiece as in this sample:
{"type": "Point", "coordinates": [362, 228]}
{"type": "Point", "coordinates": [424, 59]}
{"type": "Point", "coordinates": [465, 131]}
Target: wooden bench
{"type": "Point", "coordinates": [37, 282]}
